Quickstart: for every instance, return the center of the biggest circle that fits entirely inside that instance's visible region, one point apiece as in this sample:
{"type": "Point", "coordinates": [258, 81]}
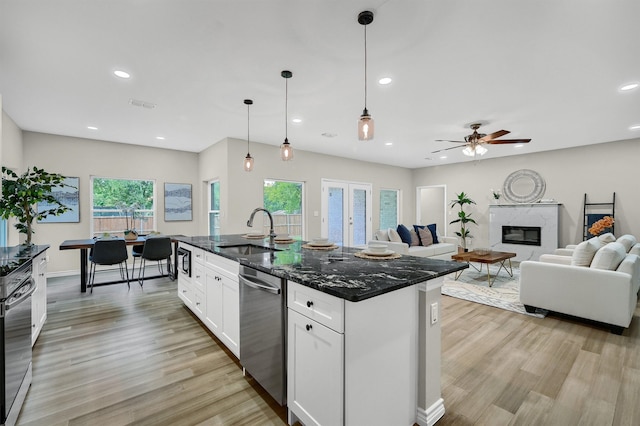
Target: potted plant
{"type": "Point", "coordinates": [463, 218]}
{"type": "Point", "coordinates": [21, 194]}
{"type": "Point", "coordinates": [129, 232]}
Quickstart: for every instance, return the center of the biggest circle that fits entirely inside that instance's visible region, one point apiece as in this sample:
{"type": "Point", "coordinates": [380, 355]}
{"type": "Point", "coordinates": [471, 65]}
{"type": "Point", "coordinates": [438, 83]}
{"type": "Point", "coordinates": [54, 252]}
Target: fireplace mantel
{"type": "Point", "coordinates": [543, 215]}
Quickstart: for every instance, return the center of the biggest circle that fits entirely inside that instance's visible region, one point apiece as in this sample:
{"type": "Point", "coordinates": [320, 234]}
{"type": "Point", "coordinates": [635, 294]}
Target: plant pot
{"type": "Point", "coordinates": [130, 234]}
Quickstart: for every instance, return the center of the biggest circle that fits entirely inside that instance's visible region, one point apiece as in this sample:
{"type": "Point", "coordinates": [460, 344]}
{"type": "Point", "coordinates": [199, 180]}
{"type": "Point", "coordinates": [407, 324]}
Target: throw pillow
{"type": "Point", "coordinates": [404, 233]}
{"type": "Point", "coordinates": [627, 241]}
{"type": "Point", "coordinates": [425, 236]}
{"type": "Point", "coordinates": [609, 257]}
{"type": "Point", "coordinates": [627, 265]}
{"type": "Point", "coordinates": [394, 237]}
{"type": "Point", "coordinates": [434, 232]}
{"type": "Point", "coordinates": [607, 238]}
{"type": "Point", "coordinates": [584, 252]}
{"type": "Point", "coordinates": [382, 235]}
{"type": "Point", "coordinates": [415, 241]}
{"type": "Point", "coordinates": [635, 249]}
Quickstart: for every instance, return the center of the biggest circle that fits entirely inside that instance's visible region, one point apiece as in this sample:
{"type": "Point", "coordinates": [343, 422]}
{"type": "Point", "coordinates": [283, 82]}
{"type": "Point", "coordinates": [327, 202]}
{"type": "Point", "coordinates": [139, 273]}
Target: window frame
{"type": "Point", "coordinates": [398, 204]}
{"type": "Point", "coordinates": [303, 222]}
{"type": "Point", "coordinates": [211, 211]}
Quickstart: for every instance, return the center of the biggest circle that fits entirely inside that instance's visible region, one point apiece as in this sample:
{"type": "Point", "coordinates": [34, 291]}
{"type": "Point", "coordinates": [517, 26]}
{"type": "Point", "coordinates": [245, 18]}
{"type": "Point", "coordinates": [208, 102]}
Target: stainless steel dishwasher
{"type": "Point", "coordinates": [263, 325]}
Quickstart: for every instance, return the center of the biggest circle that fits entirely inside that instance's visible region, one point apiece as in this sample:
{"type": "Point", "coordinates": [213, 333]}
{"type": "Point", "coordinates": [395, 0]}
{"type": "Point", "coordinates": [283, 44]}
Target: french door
{"type": "Point", "coordinates": [346, 212]}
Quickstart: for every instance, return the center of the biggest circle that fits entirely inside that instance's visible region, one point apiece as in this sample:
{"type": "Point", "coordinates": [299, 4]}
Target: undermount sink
{"type": "Point", "coordinates": [245, 249]}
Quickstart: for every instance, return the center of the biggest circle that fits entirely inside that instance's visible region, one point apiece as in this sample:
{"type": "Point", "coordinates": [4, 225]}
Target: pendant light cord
{"type": "Point", "coordinates": [365, 67]}
{"type": "Point", "coordinates": [286, 109]}
{"type": "Point", "coordinates": [248, 129]}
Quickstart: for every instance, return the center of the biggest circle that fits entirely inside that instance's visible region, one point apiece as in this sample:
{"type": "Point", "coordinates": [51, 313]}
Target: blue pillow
{"type": "Point", "coordinates": [405, 234]}
{"type": "Point", "coordinates": [432, 228]}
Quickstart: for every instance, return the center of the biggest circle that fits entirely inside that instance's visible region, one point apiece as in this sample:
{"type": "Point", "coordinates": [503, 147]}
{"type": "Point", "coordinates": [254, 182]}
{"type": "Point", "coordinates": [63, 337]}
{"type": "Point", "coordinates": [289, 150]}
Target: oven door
{"type": "Point", "coordinates": [16, 337]}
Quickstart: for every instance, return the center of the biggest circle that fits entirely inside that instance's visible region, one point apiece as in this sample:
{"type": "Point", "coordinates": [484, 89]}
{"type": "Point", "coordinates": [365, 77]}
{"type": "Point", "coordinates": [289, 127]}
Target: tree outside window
{"type": "Point", "coordinates": [284, 200]}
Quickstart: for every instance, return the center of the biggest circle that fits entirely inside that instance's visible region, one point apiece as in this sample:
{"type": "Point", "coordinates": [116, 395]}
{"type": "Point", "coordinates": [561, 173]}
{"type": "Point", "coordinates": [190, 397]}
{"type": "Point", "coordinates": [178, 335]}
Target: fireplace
{"type": "Point", "coordinates": [523, 235]}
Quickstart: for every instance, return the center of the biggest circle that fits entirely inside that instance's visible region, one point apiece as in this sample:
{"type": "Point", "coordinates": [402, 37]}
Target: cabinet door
{"type": "Point", "coordinates": [315, 371]}
{"type": "Point", "coordinates": [213, 306]}
{"type": "Point", "coordinates": [231, 314]}
{"type": "Point", "coordinates": [39, 296]}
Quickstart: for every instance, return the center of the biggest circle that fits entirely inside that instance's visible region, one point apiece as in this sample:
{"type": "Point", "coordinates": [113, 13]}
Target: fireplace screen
{"type": "Point", "coordinates": [523, 235]}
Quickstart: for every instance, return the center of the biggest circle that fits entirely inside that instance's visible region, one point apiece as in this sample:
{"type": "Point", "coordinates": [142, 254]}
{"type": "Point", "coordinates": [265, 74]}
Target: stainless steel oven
{"type": "Point", "coordinates": [263, 325]}
{"type": "Point", "coordinates": [15, 329]}
{"type": "Point", "coordinates": [184, 261]}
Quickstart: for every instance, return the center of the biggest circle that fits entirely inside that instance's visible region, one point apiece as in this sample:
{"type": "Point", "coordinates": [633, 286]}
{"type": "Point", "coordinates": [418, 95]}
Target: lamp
{"type": "Point", "coordinates": [365, 123]}
{"type": "Point", "coordinates": [286, 152]}
{"type": "Point", "coordinates": [248, 160]}
{"type": "Point", "coordinates": [472, 151]}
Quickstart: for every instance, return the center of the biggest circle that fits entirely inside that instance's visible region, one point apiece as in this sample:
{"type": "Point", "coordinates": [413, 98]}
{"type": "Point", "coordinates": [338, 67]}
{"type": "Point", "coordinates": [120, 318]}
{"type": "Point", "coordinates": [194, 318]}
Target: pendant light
{"type": "Point", "coordinates": [286, 152]}
{"type": "Point", "coordinates": [365, 123]}
{"type": "Point", "coordinates": [248, 160]}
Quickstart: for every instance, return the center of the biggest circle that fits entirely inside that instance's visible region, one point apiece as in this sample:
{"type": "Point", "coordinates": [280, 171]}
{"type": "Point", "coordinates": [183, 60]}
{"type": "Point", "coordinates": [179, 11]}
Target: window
{"type": "Point", "coordinates": [3, 233]}
{"type": "Point", "coordinates": [214, 208]}
{"type": "Point", "coordinates": [120, 204]}
{"type": "Point", "coordinates": [284, 200]}
{"type": "Point", "coordinates": [389, 208]}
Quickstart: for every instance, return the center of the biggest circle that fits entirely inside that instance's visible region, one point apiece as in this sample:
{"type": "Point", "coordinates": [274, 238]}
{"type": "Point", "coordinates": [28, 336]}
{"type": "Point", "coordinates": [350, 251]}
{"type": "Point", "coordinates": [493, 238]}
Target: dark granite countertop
{"type": "Point", "coordinates": [11, 258]}
{"type": "Point", "coordinates": [337, 272]}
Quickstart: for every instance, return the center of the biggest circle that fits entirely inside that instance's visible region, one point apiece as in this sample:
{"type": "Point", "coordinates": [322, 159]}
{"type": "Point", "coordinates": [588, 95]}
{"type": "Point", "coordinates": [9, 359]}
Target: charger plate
{"type": "Point", "coordinates": [367, 256]}
{"type": "Point", "coordinates": [326, 248]}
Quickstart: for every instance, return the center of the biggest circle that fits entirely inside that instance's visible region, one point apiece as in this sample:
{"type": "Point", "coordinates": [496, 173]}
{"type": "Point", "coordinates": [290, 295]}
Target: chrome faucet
{"type": "Point", "coordinates": [272, 234]}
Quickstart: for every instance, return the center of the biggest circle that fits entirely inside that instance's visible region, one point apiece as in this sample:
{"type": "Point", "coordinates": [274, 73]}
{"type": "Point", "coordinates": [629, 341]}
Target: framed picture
{"type": "Point", "coordinates": [67, 195]}
{"type": "Point", "coordinates": [177, 202]}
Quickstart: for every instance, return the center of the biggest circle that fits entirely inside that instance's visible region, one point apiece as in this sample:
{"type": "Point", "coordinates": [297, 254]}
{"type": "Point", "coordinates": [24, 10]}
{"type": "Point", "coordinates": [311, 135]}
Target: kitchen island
{"type": "Point", "coordinates": [363, 335]}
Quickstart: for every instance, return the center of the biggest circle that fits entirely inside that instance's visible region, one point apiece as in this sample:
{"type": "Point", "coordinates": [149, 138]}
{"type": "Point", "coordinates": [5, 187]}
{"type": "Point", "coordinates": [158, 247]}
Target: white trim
{"type": "Point", "coordinates": [430, 416]}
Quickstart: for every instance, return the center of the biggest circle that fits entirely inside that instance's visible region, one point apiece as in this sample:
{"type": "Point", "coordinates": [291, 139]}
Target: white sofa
{"type": "Point", "coordinates": [603, 290]}
{"type": "Point", "coordinates": [443, 250]}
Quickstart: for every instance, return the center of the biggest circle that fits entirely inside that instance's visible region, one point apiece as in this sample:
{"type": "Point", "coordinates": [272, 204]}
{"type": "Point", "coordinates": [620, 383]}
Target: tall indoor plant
{"type": "Point", "coordinates": [22, 193]}
{"type": "Point", "coordinates": [464, 218]}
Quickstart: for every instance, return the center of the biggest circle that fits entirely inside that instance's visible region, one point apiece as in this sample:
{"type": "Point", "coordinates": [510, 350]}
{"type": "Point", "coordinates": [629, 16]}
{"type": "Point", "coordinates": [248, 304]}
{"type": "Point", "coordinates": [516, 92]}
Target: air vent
{"type": "Point", "coordinates": [143, 104]}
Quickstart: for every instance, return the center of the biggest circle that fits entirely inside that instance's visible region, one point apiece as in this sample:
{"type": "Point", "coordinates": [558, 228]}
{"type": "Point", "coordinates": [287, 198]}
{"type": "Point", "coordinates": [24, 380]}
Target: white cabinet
{"type": "Point", "coordinates": [212, 293]}
{"type": "Point", "coordinates": [352, 363]}
{"type": "Point", "coordinates": [39, 296]}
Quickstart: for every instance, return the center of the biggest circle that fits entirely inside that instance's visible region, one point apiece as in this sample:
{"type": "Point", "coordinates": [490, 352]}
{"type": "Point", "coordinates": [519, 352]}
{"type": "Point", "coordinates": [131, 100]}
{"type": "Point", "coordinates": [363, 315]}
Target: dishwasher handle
{"type": "Point", "coordinates": [258, 284]}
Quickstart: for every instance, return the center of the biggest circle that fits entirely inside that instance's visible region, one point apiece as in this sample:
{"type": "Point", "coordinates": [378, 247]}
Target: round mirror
{"type": "Point", "coordinates": [524, 186]}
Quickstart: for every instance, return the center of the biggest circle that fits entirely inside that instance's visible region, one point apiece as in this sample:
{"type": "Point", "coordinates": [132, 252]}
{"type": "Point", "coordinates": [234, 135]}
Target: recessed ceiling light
{"type": "Point", "coordinates": [388, 143]}
{"type": "Point", "coordinates": [297, 120]}
{"type": "Point", "coordinates": [635, 127]}
{"type": "Point", "coordinates": [122, 74]}
{"type": "Point", "coordinates": [442, 157]}
{"type": "Point", "coordinates": [329, 135]}
{"type": "Point", "coordinates": [629, 86]}
{"type": "Point", "coordinates": [518, 146]}
{"type": "Point", "coordinates": [385, 80]}
{"type": "Point", "coordinates": [92, 128]}
{"type": "Point", "coordinates": [160, 138]}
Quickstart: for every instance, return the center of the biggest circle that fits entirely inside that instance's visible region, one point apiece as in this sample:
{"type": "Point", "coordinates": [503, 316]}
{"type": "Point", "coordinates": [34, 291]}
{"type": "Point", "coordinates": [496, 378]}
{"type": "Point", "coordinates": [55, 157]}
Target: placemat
{"type": "Point", "coordinates": [254, 237]}
{"type": "Point", "coordinates": [289, 241]}
{"type": "Point", "coordinates": [369, 257]}
{"type": "Point", "coordinates": [307, 246]}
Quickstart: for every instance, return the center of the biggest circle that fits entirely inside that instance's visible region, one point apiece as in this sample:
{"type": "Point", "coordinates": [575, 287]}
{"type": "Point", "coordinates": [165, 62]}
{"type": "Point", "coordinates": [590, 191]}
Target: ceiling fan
{"type": "Point", "coordinates": [473, 142]}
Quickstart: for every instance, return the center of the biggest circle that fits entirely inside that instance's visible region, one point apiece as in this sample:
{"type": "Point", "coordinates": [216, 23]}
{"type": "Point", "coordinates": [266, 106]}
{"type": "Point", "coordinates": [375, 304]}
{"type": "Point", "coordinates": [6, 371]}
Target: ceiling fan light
{"type": "Point", "coordinates": [365, 126]}
{"type": "Point", "coordinates": [481, 150]}
{"type": "Point", "coordinates": [468, 151]}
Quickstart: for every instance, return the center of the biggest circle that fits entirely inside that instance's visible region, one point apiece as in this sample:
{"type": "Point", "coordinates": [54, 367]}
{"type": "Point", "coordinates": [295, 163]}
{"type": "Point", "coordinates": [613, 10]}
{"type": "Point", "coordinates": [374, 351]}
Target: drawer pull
{"type": "Point", "coordinates": [309, 303]}
{"type": "Point", "coordinates": [308, 327]}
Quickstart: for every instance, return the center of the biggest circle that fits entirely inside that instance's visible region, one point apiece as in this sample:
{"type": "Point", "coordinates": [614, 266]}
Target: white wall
{"type": "Point", "coordinates": [83, 158]}
{"type": "Point", "coordinates": [598, 170]}
{"type": "Point", "coordinates": [241, 191]}
{"type": "Point", "coordinates": [11, 157]}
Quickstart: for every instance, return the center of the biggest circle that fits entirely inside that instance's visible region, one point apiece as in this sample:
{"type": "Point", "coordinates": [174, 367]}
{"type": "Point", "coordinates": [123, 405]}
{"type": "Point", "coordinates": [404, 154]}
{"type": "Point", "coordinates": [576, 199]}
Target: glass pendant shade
{"type": "Point", "coordinates": [481, 150]}
{"type": "Point", "coordinates": [286, 151]}
{"type": "Point", "coordinates": [365, 126]}
{"type": "Point", "coordinates": [248, 163]}
{"type": "Point", "coordinates": [471, 152]}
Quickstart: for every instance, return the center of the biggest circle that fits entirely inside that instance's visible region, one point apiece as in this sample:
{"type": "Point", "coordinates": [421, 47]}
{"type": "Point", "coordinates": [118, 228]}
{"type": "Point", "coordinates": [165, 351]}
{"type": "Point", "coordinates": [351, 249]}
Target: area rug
{"type": "Point", "coordinates": [504, 292]}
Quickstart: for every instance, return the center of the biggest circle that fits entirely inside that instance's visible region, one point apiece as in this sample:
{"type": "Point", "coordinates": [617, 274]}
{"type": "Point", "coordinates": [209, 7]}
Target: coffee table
{"type": "Point", "coordinates": [488, 259]}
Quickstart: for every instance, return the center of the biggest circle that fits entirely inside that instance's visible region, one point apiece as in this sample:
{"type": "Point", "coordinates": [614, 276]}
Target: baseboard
{"type": "Point", "coordinates": [430, 416]}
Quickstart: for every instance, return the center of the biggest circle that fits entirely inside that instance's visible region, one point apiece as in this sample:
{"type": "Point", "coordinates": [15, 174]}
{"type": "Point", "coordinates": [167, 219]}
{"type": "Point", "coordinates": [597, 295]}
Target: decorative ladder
{"type": "Point", "coordinates": [603, 209]}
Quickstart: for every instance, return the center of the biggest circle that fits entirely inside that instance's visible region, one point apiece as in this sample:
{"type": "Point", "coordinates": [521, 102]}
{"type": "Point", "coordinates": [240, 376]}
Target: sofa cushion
{"type": "Point", "coordinates": [442, 248]}
{"type": "Point", "coordinates": [404, 233]}
{"type": "Point", "coordinates": [627, 241]}
{"type": "Point", "coordinates": [394, 236]}
{"type": "Point", "coordinates": [422, 251]}
{"type": "Point", "coordinates": [426, 239]}
{"type": "Point", "coordinates": [382, 235]}
{"type": "Point", "coordinates": [434, 233]}
{"type": "Point", "coordinates": [415, 241]}
{"type": "Point", "coordinates": [609, 257]}
{"type": "Point", "coordinates": [607, 238]}
{"type": "Point", "coordinates": [584, 252]}
{"type": "Point", "coordinates": [635, 249]}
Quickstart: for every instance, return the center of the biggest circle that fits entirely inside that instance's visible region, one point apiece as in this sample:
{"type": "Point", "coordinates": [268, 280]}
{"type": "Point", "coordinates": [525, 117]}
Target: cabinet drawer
{"type": "Point", "coordinates": [326, 309]}
{"type": "Point", "coordinates": [197, 255]}
{"type": "Point", "coordinates": [197, 276]}
{"type": "Point", "coordinates": [231, 267]}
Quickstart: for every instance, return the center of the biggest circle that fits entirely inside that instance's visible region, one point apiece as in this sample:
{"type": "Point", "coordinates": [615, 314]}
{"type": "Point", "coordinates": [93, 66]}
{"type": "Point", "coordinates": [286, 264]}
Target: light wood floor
{"type": "Point", "coordinates": [138, 357]}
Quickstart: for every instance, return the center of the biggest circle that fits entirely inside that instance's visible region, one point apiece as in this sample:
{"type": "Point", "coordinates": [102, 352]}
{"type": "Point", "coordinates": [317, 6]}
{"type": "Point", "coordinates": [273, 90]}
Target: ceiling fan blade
{"type": "Point", "coordinates": [494, 135]}
{"type": "Point", "coordinates": [445, 149]}
{"type": "Point", "coordinates": [500, 141]}
{"type": "Point", "coordinates": [447, 140]}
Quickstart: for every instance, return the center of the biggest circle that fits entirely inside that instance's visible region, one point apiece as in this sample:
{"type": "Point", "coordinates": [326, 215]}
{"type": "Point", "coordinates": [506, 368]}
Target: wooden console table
{"type": "Point", "coordinates": [85, 245]}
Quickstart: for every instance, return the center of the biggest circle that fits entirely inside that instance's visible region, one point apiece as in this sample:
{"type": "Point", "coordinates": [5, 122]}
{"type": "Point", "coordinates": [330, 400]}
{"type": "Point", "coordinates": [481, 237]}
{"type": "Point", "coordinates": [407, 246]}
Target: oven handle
{"type": "Point", "coordinates": [258, 284]}
{"type": "Point", "coordinates": [11, 302]}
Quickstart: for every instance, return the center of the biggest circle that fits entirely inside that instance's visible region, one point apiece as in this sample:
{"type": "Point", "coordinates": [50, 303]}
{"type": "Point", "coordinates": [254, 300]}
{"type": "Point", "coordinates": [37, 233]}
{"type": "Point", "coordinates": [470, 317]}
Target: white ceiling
{"type": "Point", "coordinates": [545, 70]}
